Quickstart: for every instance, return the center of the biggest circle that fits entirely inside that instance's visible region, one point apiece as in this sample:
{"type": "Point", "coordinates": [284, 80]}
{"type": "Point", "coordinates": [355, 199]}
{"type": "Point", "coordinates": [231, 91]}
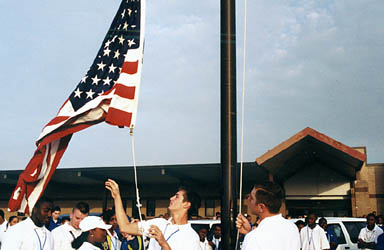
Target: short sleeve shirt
{"type": "Point", "coordinates": [273, 233]}
{"type": "Point", "coordinates": [64, 235]}
{"type": "Point", "coordinates": [26, 235]}
{"type": "Point", "coordinates": [313, 239]}
{"type": "Point", "coordinates": [179, 237]}
{"type": "Point", "coordinates": [370, 235]}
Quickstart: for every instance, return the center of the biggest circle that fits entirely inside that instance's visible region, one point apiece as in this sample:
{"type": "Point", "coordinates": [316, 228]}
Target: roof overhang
{"type": "Point", "coordinates": [307, 147]}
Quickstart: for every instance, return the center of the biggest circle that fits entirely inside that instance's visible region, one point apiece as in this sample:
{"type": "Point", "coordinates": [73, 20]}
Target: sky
{"type": "Point", "coordinates": [309, 63]}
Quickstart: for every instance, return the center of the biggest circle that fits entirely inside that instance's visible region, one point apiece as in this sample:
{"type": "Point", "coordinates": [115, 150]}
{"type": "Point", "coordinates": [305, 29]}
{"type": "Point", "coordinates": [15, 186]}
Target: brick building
{"type": "Point", "coordinates": [317, 172]}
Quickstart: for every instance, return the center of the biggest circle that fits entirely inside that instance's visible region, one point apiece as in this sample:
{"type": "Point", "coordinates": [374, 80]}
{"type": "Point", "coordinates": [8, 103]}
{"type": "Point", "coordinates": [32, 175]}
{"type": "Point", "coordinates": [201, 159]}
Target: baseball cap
{"type": "Point", "coordinates": [92, 222]}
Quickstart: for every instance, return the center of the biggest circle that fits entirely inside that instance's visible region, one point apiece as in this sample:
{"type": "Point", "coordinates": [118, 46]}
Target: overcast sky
{"type": "Point", "coordinates": [309, 63]}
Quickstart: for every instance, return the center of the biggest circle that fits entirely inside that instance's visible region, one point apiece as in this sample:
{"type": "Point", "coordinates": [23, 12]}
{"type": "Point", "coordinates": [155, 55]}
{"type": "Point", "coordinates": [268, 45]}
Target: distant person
{"type": "Point", "coordinates": [369, 234]}
{"type": "Point", "coordinates": [204, 245]}
{"type": "Point", "coordinates": [300, 224]}
{"type": "Point", "coordinates": [331, 236]}
{"type": "Point", "coordinates": [31, 234]}
{"type": "Point", "coordinates": [217, 216]}
{"type": "Point", "coordinates": [94, 232]}
{"type": "Point", "coordinates": [13, 220]}
{"type": "Point", "coordinates": [313, 236]}
{"type": "Point", "coordinates": [166, 216]}
{"type": "Point", "coordinates": [3, 225]}
{"type": "Point", "coordinates": [112, 241]}
{"type": "Point", "coordinates": [54, 220]}
{"type": "Point", "coordinates": [66, 233]}
{"type": "Point", "coordinates": [175, 234]}
{"type": "Point", "coordinates": [64, 219]}
{"type": "Point", "coordinates": [380, 242]}
{"type": "Point", "coordinates": [131, 242]}
{"type": "Point", "coordinates": [274, 232]}
{"type": "Point", "coordinates": [216, 239]}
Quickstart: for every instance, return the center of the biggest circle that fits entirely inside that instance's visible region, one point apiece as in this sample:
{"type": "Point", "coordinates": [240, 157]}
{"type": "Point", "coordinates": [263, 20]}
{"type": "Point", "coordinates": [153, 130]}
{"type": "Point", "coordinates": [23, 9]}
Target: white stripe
{"type": "Point", "coordinates": [127, 105]}
{"type": "Point", "coordinates": [129, 80]}
{"type": "Point", "coordinates": [133, 54]}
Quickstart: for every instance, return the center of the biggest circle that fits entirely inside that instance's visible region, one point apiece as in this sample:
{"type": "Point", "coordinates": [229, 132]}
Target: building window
{"type": "Point", "coordinates": [210, 208]}
{"type": "Point", "coordinates": [151, 206]}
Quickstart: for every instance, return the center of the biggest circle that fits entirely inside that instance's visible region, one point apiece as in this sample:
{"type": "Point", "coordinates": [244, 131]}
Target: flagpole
{"type": "Point", "coordinates": [228, 123]}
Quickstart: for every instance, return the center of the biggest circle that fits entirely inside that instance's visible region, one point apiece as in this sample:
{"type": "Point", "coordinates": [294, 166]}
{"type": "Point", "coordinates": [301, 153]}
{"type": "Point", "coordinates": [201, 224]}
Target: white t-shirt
{"type": "Point", "coordinates": [88, 246]}
{"type": "Point", "coordinates": [26, 235]}
{"type": "Point", "coordinates": [370, 236]}
{"type": "Point", "coordinates": [179, 237]}
{"type": "Point", "coordinates": [64, 235]}
{"type": "Point", "coordinates": [313, 239]}
{"type": "Point", "coordinates": [3, 228]}
{"type": "Point", "coordinates": [205, 245]}
{"type": "Point", "coordinates": [273, 233]}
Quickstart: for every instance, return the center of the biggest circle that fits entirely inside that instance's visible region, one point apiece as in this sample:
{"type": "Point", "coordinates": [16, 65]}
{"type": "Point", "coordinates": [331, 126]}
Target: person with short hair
{"type": "Point", "coordinates": [54, 220]}
{"type": "Point", "coordinates": [64, 235]}
{"type": "Point", "coordinates": [216, 238]}
{"type": "Point", "coordinates": [369, 234]}
{"type": "Point", "coordinates": [300, 224]}
{"type": "Point", "coordinates": [313, 236]}
{"type": "Point", "coordinates": [274, 232]}
{"type": "Point", "coordinates": [112, 242]}
{"type": "Point", "coordinates": [204, 245]}
{"type": "Point", "coordinates": [331, 236]}
{"type": "Point", "coordinates": [175, 234]}
{"type": "Point", "coordinates": [94, 232]}
{"type": "Point", "coordinates": [31, 234]}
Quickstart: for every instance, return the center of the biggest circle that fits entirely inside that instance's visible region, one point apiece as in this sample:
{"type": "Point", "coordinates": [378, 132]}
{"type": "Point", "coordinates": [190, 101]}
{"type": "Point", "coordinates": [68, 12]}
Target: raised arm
{"type": "Point", "coordinates": [124, 225]}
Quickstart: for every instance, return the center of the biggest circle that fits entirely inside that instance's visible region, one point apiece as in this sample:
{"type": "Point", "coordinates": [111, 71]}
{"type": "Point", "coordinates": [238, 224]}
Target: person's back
{"type": "Point", "coordinates": [274, 232]}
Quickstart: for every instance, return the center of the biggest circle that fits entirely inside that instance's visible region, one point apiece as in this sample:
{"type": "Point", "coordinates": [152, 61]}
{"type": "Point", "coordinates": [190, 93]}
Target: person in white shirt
{"type": "Point", "coordinates": [175, 234]}
{"type": "Point", "coordinates": [274, 232]}
{"type": "Point", "coordinates": [94, 232]}
{"type": "Point", "coordinates": [112, 242]}
{"type": "Point", "coordinates": [204, 245]}
{"type": "Point", "coordinates": [3, 225]}
{"type": "Point", "coordinates": [31, 234]}
{"type": "Point", "coordinates": [312, 236]}
{"type": "Point", "coordinates": [66, 233]}
{"type": "Point", "coordinates": [369, 234]}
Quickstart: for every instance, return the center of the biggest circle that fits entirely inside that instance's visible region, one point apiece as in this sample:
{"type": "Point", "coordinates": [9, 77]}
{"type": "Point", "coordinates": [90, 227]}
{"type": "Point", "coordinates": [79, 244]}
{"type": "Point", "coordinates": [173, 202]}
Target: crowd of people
{"type": "Point", "coordinates": [114, 230]}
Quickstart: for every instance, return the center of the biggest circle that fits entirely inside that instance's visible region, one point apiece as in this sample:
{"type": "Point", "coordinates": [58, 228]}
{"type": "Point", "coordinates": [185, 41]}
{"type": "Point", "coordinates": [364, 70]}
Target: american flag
{"type": "Point", "coordinates": [108, 92]}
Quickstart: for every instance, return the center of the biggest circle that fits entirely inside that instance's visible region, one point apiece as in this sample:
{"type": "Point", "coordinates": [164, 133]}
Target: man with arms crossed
{"type": "Point", "coordinates": [274, 232]}
{"type": "Point", "coordinates": [68, 232]}
{"type": "Point", "coordinates": [174, 234]}
{"type": "Point", "coordinates": [369, 234]}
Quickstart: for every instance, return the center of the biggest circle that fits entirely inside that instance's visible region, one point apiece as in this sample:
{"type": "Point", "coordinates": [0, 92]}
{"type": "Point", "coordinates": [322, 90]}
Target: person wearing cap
{"type": "Point", "coordinates": [94, 233]}
{"type": "Point", "coordinates": [174, 234]}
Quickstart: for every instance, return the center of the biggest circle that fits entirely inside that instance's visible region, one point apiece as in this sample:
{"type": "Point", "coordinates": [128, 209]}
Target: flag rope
{"type": "Point", "coordinates": [138, 204]}
{"type": "Point", "coordinates": [242, 116]}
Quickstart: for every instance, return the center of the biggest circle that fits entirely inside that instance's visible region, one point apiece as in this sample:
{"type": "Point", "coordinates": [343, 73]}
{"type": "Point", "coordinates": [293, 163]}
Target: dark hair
{"type": "Point", "coordinates": [192, 197]}
{"type": "Point", "coordinates": [371, 215]}
{"type": "Point", "coordinates": [12, 217]}
{"type": "Point", "coordinates": [43, 200]}
{"type": "Point", "coordinates": [2, 213]}
{"type": "Point", "coordinates": [270, 194]}
{"type": "Point", "coordinates": [322, 219]}
{"type": "Point", "coordinates": [57, 208]}
{"type": "Point", "coordinates": [300, 222]}
{"type": "Point", "coordinates": [82, 206]}
{"type": "Point", "coordinates": [107, 215]}
{"type": "Point", "coordinates": [76, 243]}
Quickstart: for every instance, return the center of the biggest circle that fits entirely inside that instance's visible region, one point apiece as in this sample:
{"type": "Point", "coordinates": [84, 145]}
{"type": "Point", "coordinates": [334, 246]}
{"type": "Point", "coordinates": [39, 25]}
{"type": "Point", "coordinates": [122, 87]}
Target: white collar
{"type": "Point", "coordinates": [90, 246]}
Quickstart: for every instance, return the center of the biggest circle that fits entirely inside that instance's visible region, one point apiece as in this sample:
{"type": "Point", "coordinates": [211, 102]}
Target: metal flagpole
{"type": "Point", "coordinates": [228, 124]}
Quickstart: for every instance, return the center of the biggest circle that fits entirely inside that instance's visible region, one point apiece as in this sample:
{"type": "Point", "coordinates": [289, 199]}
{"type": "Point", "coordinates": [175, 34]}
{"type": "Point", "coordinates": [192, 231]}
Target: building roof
{"type": "Point", "coordinates": [309, 146]}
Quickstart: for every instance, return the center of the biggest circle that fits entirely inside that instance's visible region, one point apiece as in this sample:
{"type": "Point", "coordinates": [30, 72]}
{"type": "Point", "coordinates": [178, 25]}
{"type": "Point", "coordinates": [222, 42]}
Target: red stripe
{"type": "Point", "coordinates": [130, 67]}
{"type": "Point", "coordinates": [118, 117]}
{"type": "Point", "coordinates": [57, 120]}
{"type": "Point", "coordinates": [127, 92]}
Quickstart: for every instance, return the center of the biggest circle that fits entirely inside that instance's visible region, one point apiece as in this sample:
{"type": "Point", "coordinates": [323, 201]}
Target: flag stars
{"type": "Point", "coordinates": [78, 93]}
{"type": "Point", "coordinates": [101, 93]}
{"type": "Point", "coordinates": [100, 66]}
{"type": "Point", "coordinates": [131, 42]}
{"type": "Point", "coordinates": [125, 26]}
{"type": "Point", "coordinates": [117, 54]}
{"type": "Point", "coordinates": [123, 14]}
{"type": "Point", "coordinates": [107, 81]}
{"type": "Point", "coordinates": [107, 51]}
{"type": "Point", "coordinates": [121, 39]}
{"type": "Point", "coordinates": [129, 12]}
{"type": "Point", "coordinates": [107, 44]}
{"type": "Point", "coordinates": [84, 79]}
{"type": "Point", "coordinates": [112, 68]}
{"type": "Point", "coordinates": [95, 80]}
{"type": "Point", "coordinates": [90, 94]}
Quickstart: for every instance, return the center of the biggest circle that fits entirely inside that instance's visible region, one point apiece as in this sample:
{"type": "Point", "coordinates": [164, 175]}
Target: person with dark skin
{"type": "Point", "coordinates": [34, 235]}
{"type": "Point", "coordinates": [300, 224]}
{"type": "Point", "coordinates": [94, 233]}
{"type": "Point", "coordinates": [369, 234]}
{"type": "Point", "coordinates": [204, 245]}
{"type": "Point", "coordinates": [313, 236]}
{"type": "Point", "coordinates": [332, 238]}
{"type": "Point", "coordinates": [215, 242]}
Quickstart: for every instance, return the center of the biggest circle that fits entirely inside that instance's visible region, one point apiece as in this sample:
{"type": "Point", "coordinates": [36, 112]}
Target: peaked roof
{"type": "Point", "coordinates": [309, 146]}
